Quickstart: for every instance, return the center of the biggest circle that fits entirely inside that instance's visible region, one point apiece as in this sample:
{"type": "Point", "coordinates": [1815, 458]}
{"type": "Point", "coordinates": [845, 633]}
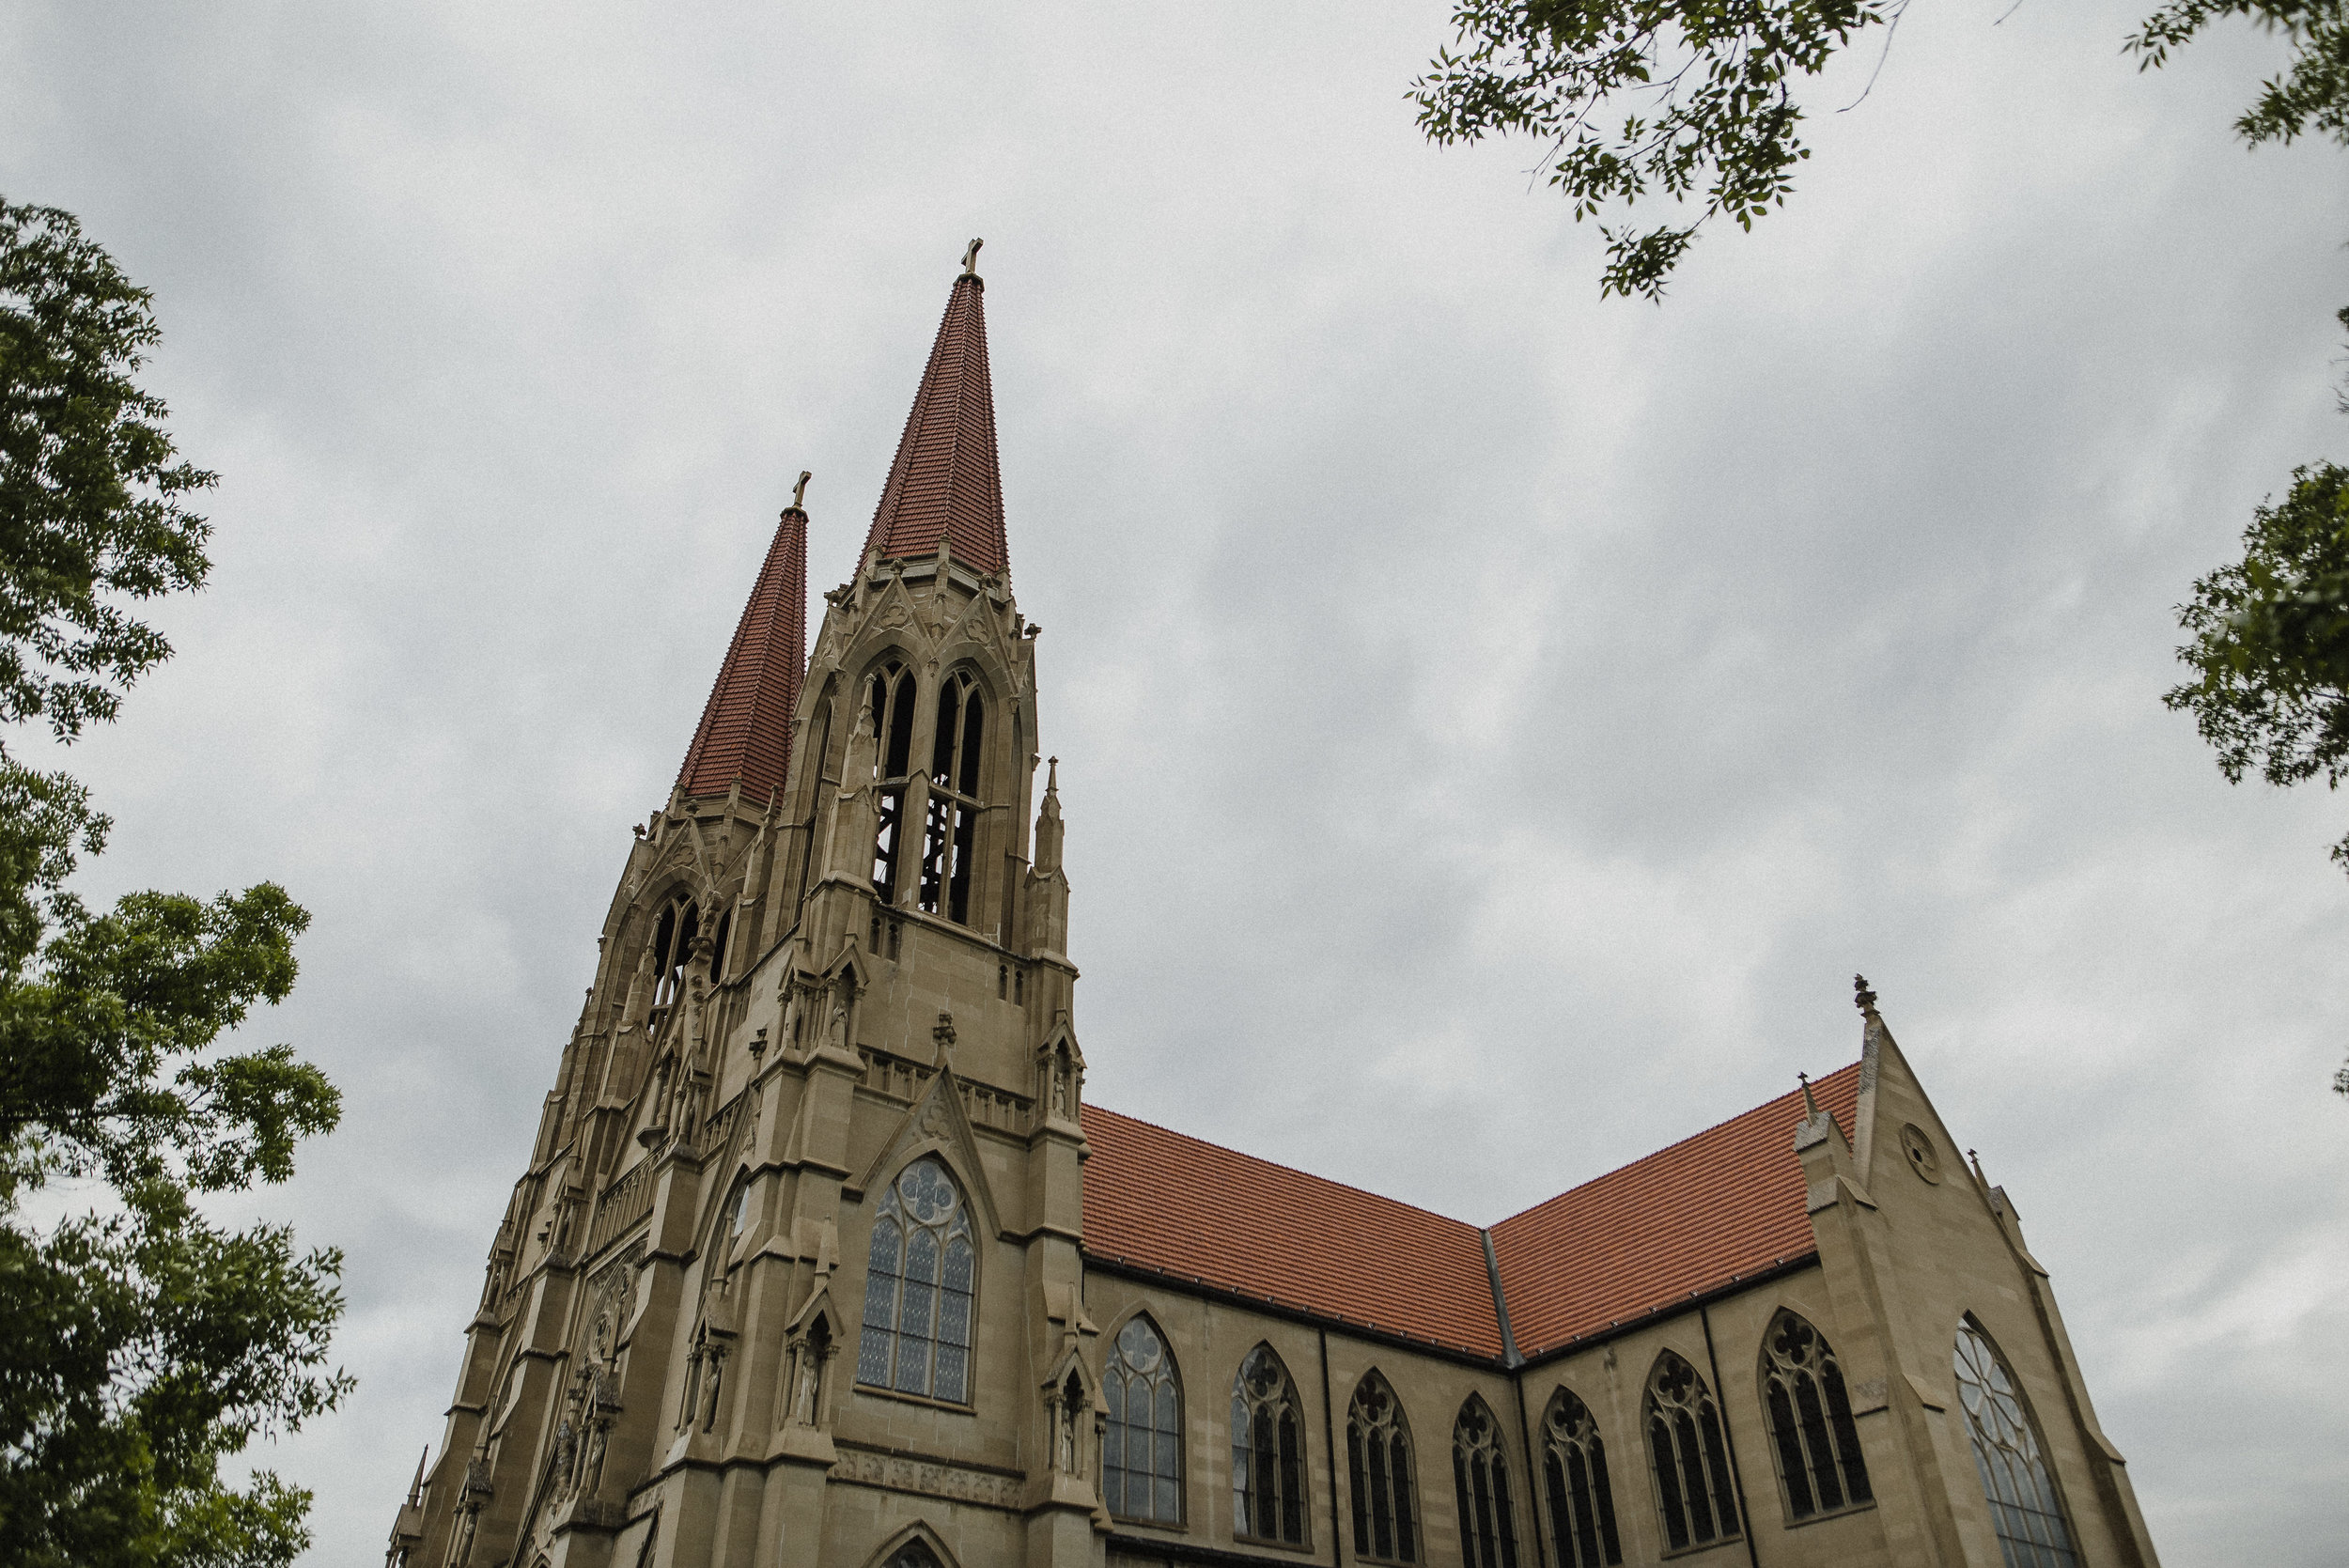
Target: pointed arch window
{"type": "Point", "coordinates": [952, 823]}
{"type": "Point", "coordinates": [1378, 1471]}
{"type": "Point", "coordinates": [918, 1283]}
{"type": "Point", "coordinates": [913, 1554]}
{"type": "Point", "coordinates": [1811, 1435]}
{"type": "Point", "coordinates": [672, 936]}
{"type": "Point", "coordinates": [2025, 1510]}
{"type": "Point", "coordinates": [1141, 1453]}
{"type": "Point", "coordinates": [1689, 1455]}
{"type": "Point", "coordinates": [1479, 1473]}
{"type": "Point", "coordinates": [1268, 1453]}
{"type": "Point", "coordinates": [1581, 1499]}
{"type": "Point", "coordinates": [890, 696]}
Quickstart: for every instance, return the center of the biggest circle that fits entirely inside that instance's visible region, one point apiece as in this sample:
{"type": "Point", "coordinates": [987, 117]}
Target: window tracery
{"type": "Point", "coordinates": [952, 816]}
{"type": "Point", "coordinates": [672, 936]}
{"type": "Point", "coordinates": [1689, 1455]}
{"type": "Point", "coordinates": [1581, 1499]}
{"type": "Point", "coordinates": [890, 696]}
{"type": "Point", "coordinates": [1480, 1474]}
{"type": "Point", "coordinates": [1267, 1451]}
{"type": "Point", "coordinates": [1378, 1468]}
{"type": "Point", "coordinates": [1142, 1462]}
{"type": "Point", "coordinates": [2025, 1511]}
{"type": "Point", "coordinates": [1811, 1435]}
{"type": "Point", "coordinates": [919, 1284]}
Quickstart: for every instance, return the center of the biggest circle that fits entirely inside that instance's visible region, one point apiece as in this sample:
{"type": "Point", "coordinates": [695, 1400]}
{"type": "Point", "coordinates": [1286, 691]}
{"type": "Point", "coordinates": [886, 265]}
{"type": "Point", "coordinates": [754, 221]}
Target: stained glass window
{"type": "Point", "coordinates": [918, 1287]}
{"type": "Point", "coordinates": [1379, 1467]}
{"type": "Point", "coordinates": [1811, 1435]}
{"type": "Point", "coordinates": [1267, 1451]}
{"type": "Point", "coordinates": [1581, 1500]}
{"type": "Point", "coordinates": [1480, 1474]}
{"type": "Point", "coordinates": [1689, 1456]}
{"type": "Point", "coordinates": [1142, 1453]}
{"type": "Point", "coordinates": [2024, 1508]}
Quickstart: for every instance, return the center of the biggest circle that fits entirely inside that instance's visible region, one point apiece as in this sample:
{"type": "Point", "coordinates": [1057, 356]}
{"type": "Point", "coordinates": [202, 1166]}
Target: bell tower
{"type": "Point", "coordinates": [793, 1274]}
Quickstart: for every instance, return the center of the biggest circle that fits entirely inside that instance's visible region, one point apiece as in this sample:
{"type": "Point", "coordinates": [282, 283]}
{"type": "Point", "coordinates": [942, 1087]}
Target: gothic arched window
{"type": "Point", "coordinates": [890, 696]}
{"type": "Point", "coordinates": [1141, 1453]}
{"type": "Point", "coordinates": [1378, 1468]}
{"type": "Point", "coordinates": [1267, 1451]}
{"type": "Point", "coordinates": [1819, 1462]}
{"type": "Point", "coordinates": [918, 1288]}
{"type": "Point", "coordinates": [952, 817]}
{"type": "Point", "coordinates": [913, 1554]}
{"type": "Point", "coordinates": [1581, 1500]}
{"type": "Point", "coordinates": [1479, 1473]}
{"type": "Point", "coordinates": [2024, 1508]}
{"type": "Point", "coordinates": [1689, 1455]}
{"type": "Point", "coordinates": [673, 936]}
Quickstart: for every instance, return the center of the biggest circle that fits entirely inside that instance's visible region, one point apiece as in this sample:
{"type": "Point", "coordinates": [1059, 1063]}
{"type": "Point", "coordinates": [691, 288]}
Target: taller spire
{"type": "Point", "coordinates": [745, 731]}
{"type": "Point", "coordinates": [945, 484]}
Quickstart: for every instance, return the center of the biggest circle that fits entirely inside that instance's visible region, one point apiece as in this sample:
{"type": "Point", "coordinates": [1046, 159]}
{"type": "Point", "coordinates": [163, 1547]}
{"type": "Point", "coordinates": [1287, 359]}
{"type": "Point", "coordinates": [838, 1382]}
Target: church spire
{"type": "Point", "coordinates": [745, 732]}
{"type": "Point", "coordinates": [944, 484]}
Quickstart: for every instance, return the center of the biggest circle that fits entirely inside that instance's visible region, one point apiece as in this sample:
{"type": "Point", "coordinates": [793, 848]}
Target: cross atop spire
{"type": "Point", "coordinates": [944, 485]}
{"type": "Point", "coordinates": [745, 732]}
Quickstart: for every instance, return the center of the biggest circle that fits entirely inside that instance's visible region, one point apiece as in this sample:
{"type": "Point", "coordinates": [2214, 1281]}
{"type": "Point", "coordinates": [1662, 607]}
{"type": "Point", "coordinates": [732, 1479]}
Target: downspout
{"type": "Point", "coordinates": [1330, 1446]}
{"type": "Point", "coordinates": [1736, 1476]}
{"type": "Point", "coordinates": [1515, 1361]}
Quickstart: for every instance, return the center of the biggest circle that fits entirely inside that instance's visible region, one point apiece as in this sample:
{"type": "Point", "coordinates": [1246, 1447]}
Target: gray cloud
{"type": "Point", "coordinates": [1496, 724]}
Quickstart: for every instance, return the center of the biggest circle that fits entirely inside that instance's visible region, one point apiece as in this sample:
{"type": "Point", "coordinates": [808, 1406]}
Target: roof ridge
{"type": "Point", "coordinates": [1816, 1083]}
{"type": "Point", "coordinates": [1278, 1164]}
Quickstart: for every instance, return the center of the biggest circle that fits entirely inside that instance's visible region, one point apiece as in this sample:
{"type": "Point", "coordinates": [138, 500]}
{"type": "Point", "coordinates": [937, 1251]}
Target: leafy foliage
{"type": "Point", "coordinates": [1712, 89]}
{"type": "Point", "coordinates": [1692, 101]}
{"type": "Point", "coordinates": [2270, 641]}
{"type": "Point", "coordinates": [90, 496]}
{"type": "Point", "coordinates": [140, 1342]}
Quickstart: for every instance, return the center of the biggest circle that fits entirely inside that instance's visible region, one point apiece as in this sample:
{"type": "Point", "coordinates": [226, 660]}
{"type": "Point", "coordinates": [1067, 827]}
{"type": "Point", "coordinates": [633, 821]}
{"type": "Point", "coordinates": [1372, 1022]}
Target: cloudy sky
{"type": "Point", "coordinates": [1496, 722]}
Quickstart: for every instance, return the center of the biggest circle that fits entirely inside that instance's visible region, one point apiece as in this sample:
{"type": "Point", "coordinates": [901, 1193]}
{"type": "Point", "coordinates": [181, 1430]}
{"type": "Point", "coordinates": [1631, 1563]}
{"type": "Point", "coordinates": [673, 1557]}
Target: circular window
{"type": "Point", "coordinates": [1922, 1158]}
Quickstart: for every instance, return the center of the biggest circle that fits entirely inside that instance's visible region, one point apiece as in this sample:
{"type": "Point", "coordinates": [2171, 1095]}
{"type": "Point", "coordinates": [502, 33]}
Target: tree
{"type": "Point", "coordinates": [1694, 102]}
{"type": "Point", "coordinates": [140, 1342]}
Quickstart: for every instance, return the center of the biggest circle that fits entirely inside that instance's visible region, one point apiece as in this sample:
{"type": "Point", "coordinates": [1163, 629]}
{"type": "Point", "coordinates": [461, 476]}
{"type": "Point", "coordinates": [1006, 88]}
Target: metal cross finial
{"type": "Point", "coordinates": [799, 491]}
{"type": "Point", "coordinates": [971, 259]}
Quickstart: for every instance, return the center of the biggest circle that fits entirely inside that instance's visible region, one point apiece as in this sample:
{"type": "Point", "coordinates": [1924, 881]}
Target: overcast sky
{"type": "Point", "coordinates": [1496, 722]}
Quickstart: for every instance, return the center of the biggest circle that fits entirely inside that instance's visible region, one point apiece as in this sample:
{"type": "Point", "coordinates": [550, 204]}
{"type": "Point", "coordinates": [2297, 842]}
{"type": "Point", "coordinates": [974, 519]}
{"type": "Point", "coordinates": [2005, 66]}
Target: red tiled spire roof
{"type": "Point", "coordinates": [1720, 1207]}
{"type": "Point", "coordinates": [1176, 1205]}
{"type": "Point", "coordinates": [1723, 1205]}
{"type": "Point", "coordinates": [946, 482]}
{"type": "Point", "coordinates": [745, 731]}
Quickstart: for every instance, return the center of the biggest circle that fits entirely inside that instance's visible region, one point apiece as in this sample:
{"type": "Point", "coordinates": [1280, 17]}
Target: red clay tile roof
{"type": "Point", "coordinates": [1723, 1205]}
{"type": "Point", "coordinates": [1181, 1207]}
{"type": "Point", "coordinates": [745, 730]}
{"type": "Point", "coordinates": [945, 481]}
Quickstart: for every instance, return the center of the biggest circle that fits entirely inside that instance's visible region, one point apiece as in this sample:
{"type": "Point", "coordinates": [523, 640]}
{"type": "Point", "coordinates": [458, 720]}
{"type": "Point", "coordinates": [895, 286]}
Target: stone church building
{"type": "Point", "coordinates": [821, 1258]}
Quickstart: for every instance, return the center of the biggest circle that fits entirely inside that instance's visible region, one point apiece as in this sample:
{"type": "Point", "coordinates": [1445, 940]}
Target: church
{"type": "Point", "coordinates": [821, 1257]}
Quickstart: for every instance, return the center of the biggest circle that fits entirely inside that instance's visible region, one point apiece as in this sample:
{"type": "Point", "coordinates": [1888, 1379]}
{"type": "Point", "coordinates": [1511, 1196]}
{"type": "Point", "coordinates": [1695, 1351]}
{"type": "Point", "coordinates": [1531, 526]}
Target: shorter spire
{"type": "Point", "coordinates": [744, 740]}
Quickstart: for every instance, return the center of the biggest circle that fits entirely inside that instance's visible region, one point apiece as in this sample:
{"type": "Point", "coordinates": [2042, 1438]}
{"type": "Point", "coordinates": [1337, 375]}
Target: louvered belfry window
{"type": "Point", "coordinates": [1581, 1499]}
{"type": "Point", "coordinates": [1378, 1473]}
{"type": "Point", "coordinates": [1480, 1474]}
{"type": "Point", "coordinates": [1811, 1435]}
{"type": "Point", "coordinates": [918, 1289]}
{"type": "Point", "coordinates": [1142, 1448]}
{"type": "Point", "coordinates": [950, 833]}
{"type": "Point", "coordinates": [890, 694]}
{"type": "Point", "coordinates": [1268, 1453]}
{"type": "Point", "coordinates": [2025, 1510]}
{"type": "Point", "coordinates": [1694, 1491]}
